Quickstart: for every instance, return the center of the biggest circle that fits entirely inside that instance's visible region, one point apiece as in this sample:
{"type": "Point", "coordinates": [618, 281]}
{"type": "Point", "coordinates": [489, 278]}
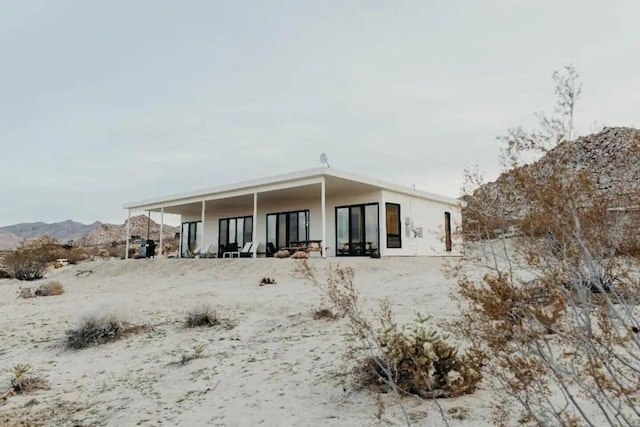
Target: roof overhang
{"type": "Point", "coordinates": [282, 182]}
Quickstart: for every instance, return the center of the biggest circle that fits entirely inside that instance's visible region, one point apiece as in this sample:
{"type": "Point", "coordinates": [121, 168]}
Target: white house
{"type": "Point", "coordinates": [335, 212]}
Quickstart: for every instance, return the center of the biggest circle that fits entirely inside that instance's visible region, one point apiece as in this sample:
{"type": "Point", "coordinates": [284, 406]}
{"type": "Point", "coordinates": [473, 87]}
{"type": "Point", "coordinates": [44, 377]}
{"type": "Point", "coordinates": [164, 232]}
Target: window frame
{"type": "Point", "coordinates": [393, 235]}
{"type": "Point", "coordinates": [286, 226]}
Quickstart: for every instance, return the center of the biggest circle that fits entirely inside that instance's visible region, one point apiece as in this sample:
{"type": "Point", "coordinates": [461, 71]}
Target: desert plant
{"type": "Point", "coordinates": [22, 383]}
{"type": "Point", "coordinates": [205, 316]}
{"type": "Point", "coordinates": [561, 347]}
{"type": "Point", "coordinates": [197, 353]}
{"type": "Point", "coordinates": [26, 292]}
{"type": "Point", "coordinates": [325, 313]}
{"type": "Point", "coordinates": [50, 289]}
{"type": "Point", "coordinates": [4, 274]}
{"type": "Point", "coordinates": [96, 329]}
{"type": "Point", "coordinates": [27, 263]}
{"type": "Point", "coordinates": [406, 360]}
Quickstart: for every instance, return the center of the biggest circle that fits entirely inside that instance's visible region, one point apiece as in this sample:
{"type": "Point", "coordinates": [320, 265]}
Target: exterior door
{"type": "Point", "coordinates": [357, 229]}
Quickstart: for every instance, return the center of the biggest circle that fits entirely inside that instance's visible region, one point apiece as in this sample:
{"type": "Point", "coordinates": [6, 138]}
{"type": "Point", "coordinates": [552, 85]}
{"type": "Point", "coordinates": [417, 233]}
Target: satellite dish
{"type": "Point", "coordinates": [324, 160]}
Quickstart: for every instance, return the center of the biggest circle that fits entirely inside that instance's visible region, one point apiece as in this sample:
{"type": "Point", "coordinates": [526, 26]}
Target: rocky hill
{"type": "Point", "coordinates": [108, 233]}
{"type": "Point", "coordinates": [63, 231]}
{"type": "Point", "coordinates": [610, 159]}
{"type": "Point", "coordinates": [8, 241]}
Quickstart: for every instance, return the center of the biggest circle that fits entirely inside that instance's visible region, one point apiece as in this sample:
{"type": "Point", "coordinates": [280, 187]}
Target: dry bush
{"type": "Point", "coordinates": [325, 314]}
{"type": "Point", "coordinates": [407, 359]}
{"type": "Point", "coordinates": [100, 329]}
{"type": "Point", "coordinates": [22, 383]}
{"type": "Point", "coordinates": [4, 274]}
{"type": "Point", "coordinates": [26, 292]}
{"type": "Point", "coordinates": [561, 348]}
{"type": "Point", "coordinates": [50, 289]}
{"type": "Point", "coordinates": [205, 316]}
{"type": "Point", "coordinates": [197, 353]}
{"type": "Point", "coordinates": [76, 255]}
{"type": "Point", "coordinates": [27, 263]}
{"type": "Point", "coordinates": [419, 360]}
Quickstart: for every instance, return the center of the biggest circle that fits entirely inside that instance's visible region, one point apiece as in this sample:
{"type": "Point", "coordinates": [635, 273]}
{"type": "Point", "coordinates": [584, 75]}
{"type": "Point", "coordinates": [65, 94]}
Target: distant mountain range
{"type": "Point", "coordinates": [63, 231]}
{"type": "Point", "coordinates": [96, 233]}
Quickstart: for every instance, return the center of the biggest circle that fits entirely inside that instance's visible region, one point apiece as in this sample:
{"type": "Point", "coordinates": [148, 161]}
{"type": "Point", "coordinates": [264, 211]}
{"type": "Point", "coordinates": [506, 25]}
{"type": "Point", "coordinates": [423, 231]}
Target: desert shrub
{"type": "Point", "coordinates": [205, 316]}
{"type": "Point", "coordinates": [22, 383]}
{"type": "Point", "coordinates": [50, 289]}
{"type": "Point", "coordinates": [561, 348]}
{"type": "Point", "coordinates": [325, 313]}
{"type": "Point", "coordinates": [4, 274]}
{"type": "Point", "coordinates": [27, 263]}
{"type": "Point", "coordinates": [76, 255]}
{"type": "Point", "coordinates": [197, 353]}
{"type": "Point", "coordinates": [100, 329]}
{"type": "Point", "coordinates": [26, 293]}
{"type": "Point", "coordinates": [103, 253]}
{"type": "Point", "coordinates": [419, 360]}
{"type": "Point", "coordinates": [411, 359]}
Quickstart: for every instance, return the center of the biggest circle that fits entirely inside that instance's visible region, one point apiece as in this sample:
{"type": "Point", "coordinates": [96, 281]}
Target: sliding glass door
{"type": "Point", "coordinates": [286, 227]}
{"type": "Point", "coordinates": [357, 229]}
{"type": "Point", "coordinates": [191, 237]}
{"type": "Point", "coordinates": [234, 233]}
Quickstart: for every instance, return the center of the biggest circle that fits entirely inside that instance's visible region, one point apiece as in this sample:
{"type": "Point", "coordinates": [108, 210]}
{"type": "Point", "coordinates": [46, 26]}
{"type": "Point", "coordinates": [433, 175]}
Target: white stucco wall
{"type": "Point", "coordinates": [429, 215]}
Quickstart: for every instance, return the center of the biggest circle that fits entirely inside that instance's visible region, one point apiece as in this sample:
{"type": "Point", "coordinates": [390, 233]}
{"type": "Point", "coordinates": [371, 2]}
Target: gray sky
{"type": "Point", "coordinates": [103, 103]}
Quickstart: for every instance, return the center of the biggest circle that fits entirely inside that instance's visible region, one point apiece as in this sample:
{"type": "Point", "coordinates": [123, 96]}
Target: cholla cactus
{"type": "Point", "coordinates": [420, 359]}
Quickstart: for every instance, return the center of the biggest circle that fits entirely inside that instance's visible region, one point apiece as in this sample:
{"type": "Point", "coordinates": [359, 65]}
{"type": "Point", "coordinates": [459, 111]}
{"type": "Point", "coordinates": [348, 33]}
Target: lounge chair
{"type": "Point", "coordinates": [249, 253]}
{"type": "Point", "coordinates": [210, 252]}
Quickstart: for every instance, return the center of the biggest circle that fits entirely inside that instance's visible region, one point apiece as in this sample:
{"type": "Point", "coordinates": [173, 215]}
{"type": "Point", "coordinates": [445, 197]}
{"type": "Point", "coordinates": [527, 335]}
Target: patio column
{"type": "Point", "coordinates": [161, 228]}
{"type": "Point", "coordinates": [324, 217]}
{"type": "Point", "coordinates": [203, 247]}
{"type": "Point", "coordinates": [254, 233]}
{"type": "Point", "coordinates": [180, 241]}
{"type": "Point", "coordinates": [126, 245]}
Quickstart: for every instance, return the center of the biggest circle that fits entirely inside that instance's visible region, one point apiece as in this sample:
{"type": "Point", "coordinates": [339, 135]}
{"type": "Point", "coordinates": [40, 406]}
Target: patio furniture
{"type": "Point", "coordinates": [249, 253]}
{"type": "Point", "coordinates": [231, 254]}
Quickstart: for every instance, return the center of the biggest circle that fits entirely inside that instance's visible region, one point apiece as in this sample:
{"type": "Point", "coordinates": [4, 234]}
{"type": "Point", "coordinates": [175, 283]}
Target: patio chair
{"type": "Point", "coordinates": [271, 249]}
{"type": "Point", "coordinates": [230, 254]}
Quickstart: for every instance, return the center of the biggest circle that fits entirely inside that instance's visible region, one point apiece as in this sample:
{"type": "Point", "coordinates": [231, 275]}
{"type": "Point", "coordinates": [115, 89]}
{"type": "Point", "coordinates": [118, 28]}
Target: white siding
{"type": "Point", "coordinates": [427, 214]}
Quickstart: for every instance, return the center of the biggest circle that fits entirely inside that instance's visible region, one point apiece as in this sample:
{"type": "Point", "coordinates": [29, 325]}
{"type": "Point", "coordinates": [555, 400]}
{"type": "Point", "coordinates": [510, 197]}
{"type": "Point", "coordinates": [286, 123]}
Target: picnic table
{"type": "Point", "coordinates": [305, 245]}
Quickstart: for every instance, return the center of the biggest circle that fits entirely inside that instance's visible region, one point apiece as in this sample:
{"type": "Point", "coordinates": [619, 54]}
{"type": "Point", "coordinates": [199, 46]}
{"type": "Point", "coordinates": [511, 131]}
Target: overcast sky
{"type": "Point", "coordinates": [104, 103]}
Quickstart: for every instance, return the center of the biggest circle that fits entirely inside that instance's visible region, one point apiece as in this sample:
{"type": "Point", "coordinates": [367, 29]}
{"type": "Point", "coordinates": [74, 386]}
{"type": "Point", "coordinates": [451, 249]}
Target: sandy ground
{"type": "Point", "coordinates": [279, 366]}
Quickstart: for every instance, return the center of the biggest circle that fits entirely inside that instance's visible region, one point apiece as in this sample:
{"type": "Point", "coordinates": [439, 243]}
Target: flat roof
{"type": "Point", "coordinates": [175, 199]}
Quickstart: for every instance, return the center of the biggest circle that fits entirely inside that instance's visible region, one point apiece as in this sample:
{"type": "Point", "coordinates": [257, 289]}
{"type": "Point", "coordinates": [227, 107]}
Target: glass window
{"type": "Point", "coordinates": [240, 231]}
{"type": "Point", "coordinates": [394, 239]}
{"type": "Point", "coordinates": [342, 229]}
{"type": "Point", "coordinates": [371, 226]}
{"type": "Point", "coordinates": [286, 227]}
{"type": "Point", "coordinates": [248, 229]}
